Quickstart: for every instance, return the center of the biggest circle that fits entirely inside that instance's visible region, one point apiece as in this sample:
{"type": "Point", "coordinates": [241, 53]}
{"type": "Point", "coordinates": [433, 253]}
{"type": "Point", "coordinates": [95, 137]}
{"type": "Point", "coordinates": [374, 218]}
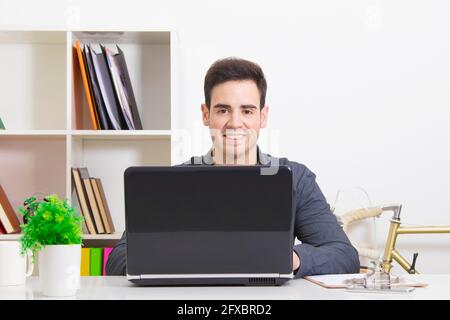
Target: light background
{"type": "Point", "coordinates": [359, 91]}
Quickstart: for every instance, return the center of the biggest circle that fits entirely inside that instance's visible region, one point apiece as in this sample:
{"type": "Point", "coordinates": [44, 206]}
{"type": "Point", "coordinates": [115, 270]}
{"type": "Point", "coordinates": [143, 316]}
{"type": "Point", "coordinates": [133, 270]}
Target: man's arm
{"type": "Point", "coordinates": [325, 248]}
{"type": "Point", "coordinates": [117, 261]}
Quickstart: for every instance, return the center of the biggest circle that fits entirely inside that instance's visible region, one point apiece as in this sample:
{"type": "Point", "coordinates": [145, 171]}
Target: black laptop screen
{"type": "Point", "coordinates": [197, 198]}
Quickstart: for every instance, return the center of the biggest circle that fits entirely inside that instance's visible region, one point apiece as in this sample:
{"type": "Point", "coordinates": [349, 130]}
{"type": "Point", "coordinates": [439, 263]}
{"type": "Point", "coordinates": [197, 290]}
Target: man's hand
{"type": "Point", "coordinates": [295, 261]}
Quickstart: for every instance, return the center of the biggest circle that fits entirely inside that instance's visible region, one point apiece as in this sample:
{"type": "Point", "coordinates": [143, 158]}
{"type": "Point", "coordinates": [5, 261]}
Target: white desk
{"type": "Point", "coordinates": [119, 288]}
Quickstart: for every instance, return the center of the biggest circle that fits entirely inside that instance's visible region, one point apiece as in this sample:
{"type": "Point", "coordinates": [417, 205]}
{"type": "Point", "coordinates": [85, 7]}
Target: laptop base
{"type": "Point", "coordinates": [252, 281]}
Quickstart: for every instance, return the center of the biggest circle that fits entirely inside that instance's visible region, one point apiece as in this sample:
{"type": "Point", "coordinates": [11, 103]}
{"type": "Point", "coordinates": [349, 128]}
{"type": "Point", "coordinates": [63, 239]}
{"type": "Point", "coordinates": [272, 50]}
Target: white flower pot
{"type": "Point", "coordinates": [59, 270]}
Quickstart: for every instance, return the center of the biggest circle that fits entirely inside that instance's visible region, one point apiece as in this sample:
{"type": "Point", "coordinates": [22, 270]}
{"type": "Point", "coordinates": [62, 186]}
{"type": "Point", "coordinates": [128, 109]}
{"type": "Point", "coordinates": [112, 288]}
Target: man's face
{"type": "Point", "coordinates": [235, 118]}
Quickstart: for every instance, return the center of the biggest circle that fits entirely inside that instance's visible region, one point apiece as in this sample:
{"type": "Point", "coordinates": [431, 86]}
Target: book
{"type": "Point", "coordinates": [2, 126]}
{"type": "Point", "coordinates": [84, 174]}
{"type": "Point", "coordinates": [87, 89]}
{"type": "Point", "coordinates": [106, 252]}
{"type": "Point", "coordinates": [85, 262]}
{"type": "Point", "coordinates": [119, 63]}
{"type": "Point", "coordinates": [338, 281]}
{"type": "Point", "coordinates": [8, 217]}
{"type": "Point", "coordinates": [2, 230]}
{"type": "Point", "coordinates": [97, 95]}
{"type": "Point", "coordinates": [84, 228]}
{"type": "Point", "coordinates": [102, 205]}
{"type": "Point", "coordinates": [82, 199]}
{"type": "Point", "coordinates": [96, 262]}
{"type": "Point", "coordinates": [107, 89]}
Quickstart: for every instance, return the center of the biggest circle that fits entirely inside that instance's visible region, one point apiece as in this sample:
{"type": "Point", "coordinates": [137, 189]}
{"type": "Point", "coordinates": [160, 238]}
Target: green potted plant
{"type": "Point", "coordinates": [53, 229]}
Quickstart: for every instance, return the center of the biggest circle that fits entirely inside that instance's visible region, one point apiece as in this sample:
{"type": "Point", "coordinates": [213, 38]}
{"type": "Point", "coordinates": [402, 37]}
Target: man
{"type": "Point", "coordinates": [235, 111]}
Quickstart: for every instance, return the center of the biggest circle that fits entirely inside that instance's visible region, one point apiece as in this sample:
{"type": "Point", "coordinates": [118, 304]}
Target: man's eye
{"type": "Point", "coordinates": [222, 111]}
{"type": "Point", "coordinates": [248, 112]}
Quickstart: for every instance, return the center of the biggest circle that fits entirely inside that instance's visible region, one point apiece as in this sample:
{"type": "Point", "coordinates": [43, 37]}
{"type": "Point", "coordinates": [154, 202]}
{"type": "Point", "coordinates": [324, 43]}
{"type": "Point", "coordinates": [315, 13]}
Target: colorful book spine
{"type": "Point", "coordinates": [85, 261]}
{"type": "Point", "coordinates": [96, 261]}
{"type": "Point", "coordinates": [106, 253]}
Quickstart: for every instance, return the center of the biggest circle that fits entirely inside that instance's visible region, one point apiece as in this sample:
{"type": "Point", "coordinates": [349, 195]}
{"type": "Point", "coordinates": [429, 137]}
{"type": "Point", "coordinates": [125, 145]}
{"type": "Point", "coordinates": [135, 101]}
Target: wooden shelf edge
{"type": "Point", "coordinates": [33, 133]}
{"type": "Point", "coordinates": [113, 236]}
{"type": "Point", "coordinates": [5, 237]}
{"type": "Point", "coordinates": [120, 132]}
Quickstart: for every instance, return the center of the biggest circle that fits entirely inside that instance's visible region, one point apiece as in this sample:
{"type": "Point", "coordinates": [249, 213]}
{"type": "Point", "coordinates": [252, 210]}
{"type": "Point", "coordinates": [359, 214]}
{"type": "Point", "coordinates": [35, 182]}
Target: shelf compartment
{"type": "Point", "coordinates": [32, 164]}
{"type": "Point", "coordinates": [148, 57]}
{"type": "Point", "coordinates": [108, 159]}
{"type": "Point", "coordinates": [33, 89]}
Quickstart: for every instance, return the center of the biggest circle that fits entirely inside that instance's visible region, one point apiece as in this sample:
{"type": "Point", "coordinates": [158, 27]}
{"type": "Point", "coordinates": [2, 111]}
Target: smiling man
{"type": "Point", "coordinates": [234, 118]}
{"type": "Point", "coordinates": [235, 110]}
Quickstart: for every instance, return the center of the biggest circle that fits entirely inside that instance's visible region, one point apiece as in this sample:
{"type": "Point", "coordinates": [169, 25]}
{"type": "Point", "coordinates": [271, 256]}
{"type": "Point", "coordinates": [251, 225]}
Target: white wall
{"type": "Point", "coordinates": [359, 90]}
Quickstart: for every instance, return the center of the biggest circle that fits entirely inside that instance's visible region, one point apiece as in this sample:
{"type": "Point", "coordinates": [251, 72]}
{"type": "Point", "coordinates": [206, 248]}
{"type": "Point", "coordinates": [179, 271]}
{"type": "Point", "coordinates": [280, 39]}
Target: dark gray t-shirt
{"type": "Point", "coordinates": [324, 248]}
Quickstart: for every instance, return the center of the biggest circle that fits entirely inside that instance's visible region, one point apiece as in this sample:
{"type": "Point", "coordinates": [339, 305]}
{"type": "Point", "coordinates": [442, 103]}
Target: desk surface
{"type": "Point", "coordinates": [298, 289]}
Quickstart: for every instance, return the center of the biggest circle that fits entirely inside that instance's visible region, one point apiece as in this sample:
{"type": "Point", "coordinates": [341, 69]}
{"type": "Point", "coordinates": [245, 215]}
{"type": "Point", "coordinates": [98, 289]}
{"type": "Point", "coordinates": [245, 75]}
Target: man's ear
{"type": "Point", "coordinates": [205, 115]}
{"type": "Point", "coordinates": [264, 116]}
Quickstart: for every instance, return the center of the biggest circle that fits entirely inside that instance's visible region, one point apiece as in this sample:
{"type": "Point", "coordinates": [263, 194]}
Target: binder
{"type": "Point", "coordinates": [107, 90]}
{"type": "Point", "coordinates": [85, 262]}
{"type": "Point", "coordinates": [97, 95]}
{"type": "Point", "coordinates": [124, 89]}
{"type": "Point", "coordinates": [92, 111]}
{"type": "Point", "coordinates": [106, 253]}
{"type": "Point", "coordinates": [96, 262]}
{"type": "Point", "coordinates": [118, 87]}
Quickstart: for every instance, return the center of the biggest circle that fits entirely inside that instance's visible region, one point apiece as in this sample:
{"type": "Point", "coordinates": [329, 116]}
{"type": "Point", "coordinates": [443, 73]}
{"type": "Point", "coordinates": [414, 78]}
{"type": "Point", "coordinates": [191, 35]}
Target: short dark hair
{"type": "Point", "coordinates": [232, 68]}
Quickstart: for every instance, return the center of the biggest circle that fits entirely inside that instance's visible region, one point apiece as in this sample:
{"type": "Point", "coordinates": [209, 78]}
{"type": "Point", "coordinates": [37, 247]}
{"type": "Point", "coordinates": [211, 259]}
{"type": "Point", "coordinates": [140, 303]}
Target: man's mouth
{"type": "Point", "coordinates": [235, 137]}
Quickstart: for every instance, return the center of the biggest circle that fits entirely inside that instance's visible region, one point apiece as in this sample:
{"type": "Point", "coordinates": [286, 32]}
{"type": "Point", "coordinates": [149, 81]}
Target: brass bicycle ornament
{"type": "Point", "coordinates": [395, 229]}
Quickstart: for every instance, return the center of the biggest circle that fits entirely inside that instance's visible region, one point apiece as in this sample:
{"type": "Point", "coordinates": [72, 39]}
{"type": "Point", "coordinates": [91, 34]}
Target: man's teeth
{"type": "Point", "coordinates": [235, 135]}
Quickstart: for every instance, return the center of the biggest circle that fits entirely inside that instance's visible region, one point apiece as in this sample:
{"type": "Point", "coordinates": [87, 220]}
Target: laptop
{"type": "Point", "coordinates": [208, 225]}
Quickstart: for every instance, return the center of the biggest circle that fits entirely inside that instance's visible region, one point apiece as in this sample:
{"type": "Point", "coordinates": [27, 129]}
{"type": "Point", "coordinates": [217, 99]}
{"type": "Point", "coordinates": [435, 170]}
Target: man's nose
{"type": "Point", "coordinates": [235, 120]}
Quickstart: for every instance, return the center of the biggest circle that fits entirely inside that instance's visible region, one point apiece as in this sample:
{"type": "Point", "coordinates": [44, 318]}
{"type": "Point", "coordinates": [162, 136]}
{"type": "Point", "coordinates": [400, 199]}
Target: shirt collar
{"type": "Point", "coordinates": [262, 158]}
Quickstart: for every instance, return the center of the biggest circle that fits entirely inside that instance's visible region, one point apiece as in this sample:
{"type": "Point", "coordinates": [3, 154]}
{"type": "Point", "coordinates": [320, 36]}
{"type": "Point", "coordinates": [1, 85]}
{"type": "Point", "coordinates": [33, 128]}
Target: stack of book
{"type": "Point", "coordinates": [93, 261]}
{"type": "Point", "coordinates": [92, 201]}
{"type": "Point", "coordinates": [9, 222]}
{"type": "Point", "coordinates": [107, 85]}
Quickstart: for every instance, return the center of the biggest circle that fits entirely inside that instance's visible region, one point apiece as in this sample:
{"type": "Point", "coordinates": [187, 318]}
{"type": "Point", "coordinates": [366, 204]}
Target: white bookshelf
{"type": "Point", "coordinates": [47, 123]}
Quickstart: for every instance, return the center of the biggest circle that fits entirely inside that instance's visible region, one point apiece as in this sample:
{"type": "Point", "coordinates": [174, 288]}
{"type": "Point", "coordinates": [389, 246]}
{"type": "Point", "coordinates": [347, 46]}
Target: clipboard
{"type": "Point", "coordinates": [337, 281]}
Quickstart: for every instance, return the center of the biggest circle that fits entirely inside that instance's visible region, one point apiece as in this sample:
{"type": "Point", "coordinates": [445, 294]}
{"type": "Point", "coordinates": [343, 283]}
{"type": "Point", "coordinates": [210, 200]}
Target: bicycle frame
{"type": "Point", "coordinates": [390, 253]}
